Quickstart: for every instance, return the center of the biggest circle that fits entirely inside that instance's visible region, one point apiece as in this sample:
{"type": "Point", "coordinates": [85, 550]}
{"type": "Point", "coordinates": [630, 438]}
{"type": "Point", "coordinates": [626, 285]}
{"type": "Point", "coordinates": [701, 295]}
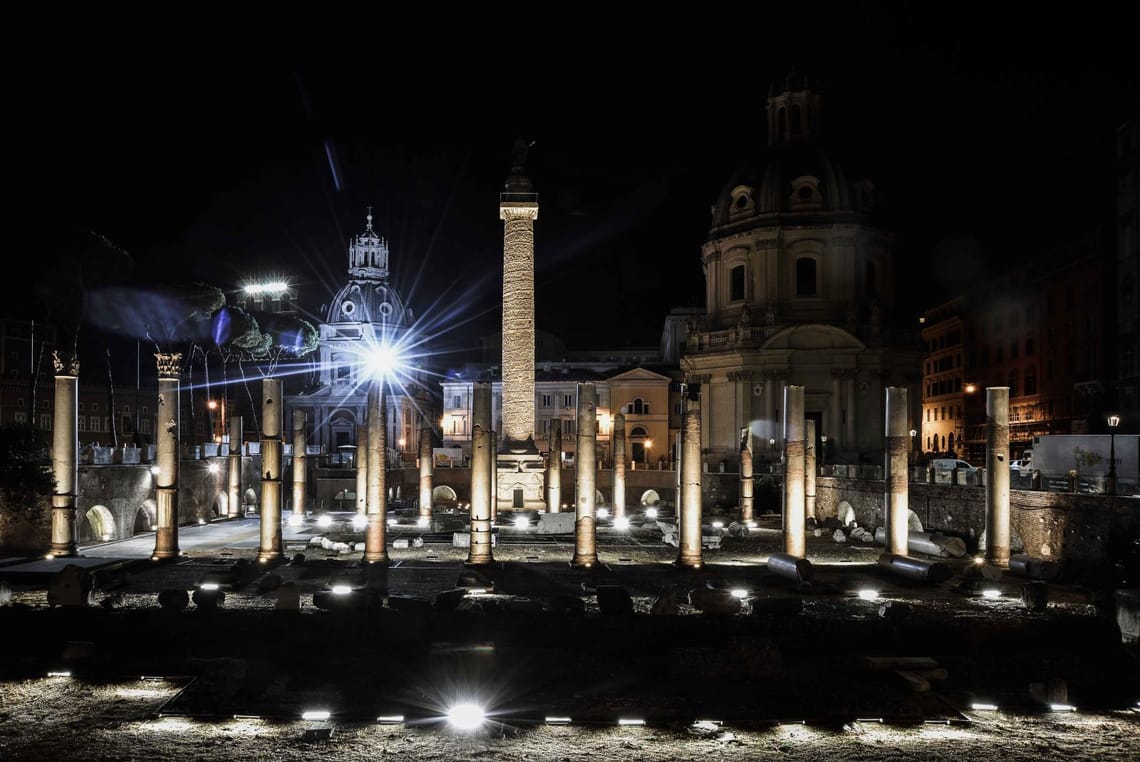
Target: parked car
{"type": "Point", "coordinates": [953, 464]}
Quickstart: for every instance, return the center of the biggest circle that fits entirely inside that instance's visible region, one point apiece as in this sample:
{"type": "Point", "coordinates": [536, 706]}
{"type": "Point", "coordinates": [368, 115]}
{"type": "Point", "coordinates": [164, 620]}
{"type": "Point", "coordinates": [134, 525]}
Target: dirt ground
{"type": "Point", "coordinates": [789, 675]}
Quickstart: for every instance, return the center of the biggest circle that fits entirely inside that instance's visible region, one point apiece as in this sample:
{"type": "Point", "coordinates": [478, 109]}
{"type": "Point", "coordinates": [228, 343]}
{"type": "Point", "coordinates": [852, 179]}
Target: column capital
{"type": "Point", "coordinates": [518, 210]}
{"type": "Point", "coordinates": [169, 364]}
{"type": "Point", "coordinates": [65, 367]}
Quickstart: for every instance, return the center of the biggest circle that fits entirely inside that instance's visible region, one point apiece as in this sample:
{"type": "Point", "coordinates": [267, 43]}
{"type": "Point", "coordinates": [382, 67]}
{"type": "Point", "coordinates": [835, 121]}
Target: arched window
{"type": "Point", "coordinates": [736, 284]}
{"type": "Point", "coordinates": [951, 441]}
{"type": "Point", "coordinates": [638, 407]}
{"type": "Point", "coordinates": [806, 277]}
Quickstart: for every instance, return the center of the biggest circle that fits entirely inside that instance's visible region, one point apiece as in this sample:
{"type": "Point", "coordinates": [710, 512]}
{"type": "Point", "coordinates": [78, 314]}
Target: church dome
{"type": "Point", "coordinates": [793, 177]}
{"type": "Point", "coordinates": [368, 297]}
{"type": "Point", "coordinates": [797, 172]}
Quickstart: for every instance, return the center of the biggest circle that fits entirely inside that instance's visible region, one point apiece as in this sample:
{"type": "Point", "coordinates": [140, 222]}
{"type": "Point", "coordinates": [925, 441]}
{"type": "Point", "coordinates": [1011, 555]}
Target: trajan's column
{"type": "Point", "coordinates": [520, 467]}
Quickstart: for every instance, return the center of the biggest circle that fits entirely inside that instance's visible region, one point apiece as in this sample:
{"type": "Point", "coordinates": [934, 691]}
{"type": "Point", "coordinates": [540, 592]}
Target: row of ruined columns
{"type": "Point", "coordinates": [798, 494]}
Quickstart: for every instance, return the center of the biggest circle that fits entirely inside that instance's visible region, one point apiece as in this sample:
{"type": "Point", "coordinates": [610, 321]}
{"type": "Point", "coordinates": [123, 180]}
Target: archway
{"type": "Point", "coordinates": [650, 497]}
{"type": "Point", "coordinates": [443, 494]}
{"type": "Point", "coordinates": [98, 525]}
{"type": "Point", "coordinates": [219, 507]}
{"type": "Point", "coordinates": [639, 445]}
{"type": "Point", "coordinates": [146, 517]}
{"type": "Point", "coordinates": [249, 498]}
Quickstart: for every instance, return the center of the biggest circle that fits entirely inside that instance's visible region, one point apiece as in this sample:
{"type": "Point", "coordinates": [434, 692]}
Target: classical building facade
{"type": "Point", "coordinates": [798, 290]}
{"type": "Point", "coordinates": [1043, 330]}
{"type": "Point", "coordinates": [366, 314]}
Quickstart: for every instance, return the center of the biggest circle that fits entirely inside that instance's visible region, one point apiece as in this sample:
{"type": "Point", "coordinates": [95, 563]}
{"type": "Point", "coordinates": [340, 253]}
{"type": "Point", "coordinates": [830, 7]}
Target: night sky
{"type": "Point", "coordinates": [988, 135]}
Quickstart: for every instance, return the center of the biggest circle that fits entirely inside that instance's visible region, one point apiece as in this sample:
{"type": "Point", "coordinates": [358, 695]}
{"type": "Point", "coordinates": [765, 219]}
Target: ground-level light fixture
{"type": "Point", "coordinates": [1062, 708]}
{"type": "Point", "coordinates": [296, 520]}
{"type": "Point", "coordinates": [423, 521]}
{"type": "Point", "coordinates": [341, 589]}
{"type": "Point", "coordinates": [650, 513]}
{"type": "Point", "coordinates": [625, 721]}
{"type": "Point", "coordinates": [208, 586]}
{"type": "Point", "coordinates": [466, 715]}
{"type": "Point", "coordinates": [718, 525]}
{"type": "Point", "coordinates": [868, 594]}
{"type": "Point", "coordinates": [315, 714]}
{"type": "Point", "coordinates": [555, 720]}
{"type": "Point", "coordinates": [325, 520]}
{"type": "Point", "coordinates": [991, 593]}
{"type": "Point", "coordinates": [621, 522]}
{"type": "Point", "coordinates": [359, 521]}
{"type": "Point", "coordinates": [979, 707]}
{"type": "Point", "coordinates": [521, 522]}
{"type": "Point", "coordinates": [739, 592]}
{"type": "Point", "coordinates": [603, 513]}
{"type": "Point", "coordinates": [390, 719]}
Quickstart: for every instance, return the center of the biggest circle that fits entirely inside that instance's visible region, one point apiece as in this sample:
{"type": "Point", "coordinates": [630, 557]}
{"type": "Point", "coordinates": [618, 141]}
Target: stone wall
{"type": "Point", "coordinates": [1049, 525]}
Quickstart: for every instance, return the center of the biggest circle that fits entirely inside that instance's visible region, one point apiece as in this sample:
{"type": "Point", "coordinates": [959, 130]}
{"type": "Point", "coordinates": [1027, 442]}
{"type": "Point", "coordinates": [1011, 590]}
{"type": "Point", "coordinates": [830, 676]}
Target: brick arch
{"type": "Point", "coordinates": [98, 525]}
{"type": "Point", "coordinates": [146, 517]}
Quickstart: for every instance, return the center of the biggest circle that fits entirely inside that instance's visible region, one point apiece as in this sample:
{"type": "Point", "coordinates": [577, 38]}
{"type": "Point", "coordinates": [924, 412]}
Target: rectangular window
{"type": "Point", "coordinates": [81, 422]}
{"type": "Point", "coordinates": [45, 422]}
{"type": "Point", "coordinates": [568, 427]}
{"type": "Point", "coordinates": [1013, 350]}
{"type": "Point", "coordinates": [568, 400]}
{"type": "Point", "coordinates": [81, 407]}
{"type": "Point", "coordinates": [21, 416]}
{"type": "Point", "coordinates": [736, 284]}
{"type": "Point", "coordinates": [546, 400]}
{"type": "Point", "coordinates": [126, 424]}
{"type": "Point", "coordinates": [94, 405]}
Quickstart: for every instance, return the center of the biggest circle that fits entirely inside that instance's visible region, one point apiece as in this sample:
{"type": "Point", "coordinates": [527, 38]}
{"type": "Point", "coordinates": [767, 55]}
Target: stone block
{"type": "Point", "coordinates": [1128, 614]}
{"type": "Point", "coordinates": [614, 600]}
{"type": "Point", "coordinates": [70, 587]}
{"type": "Point", "coordinates": [556, 523]}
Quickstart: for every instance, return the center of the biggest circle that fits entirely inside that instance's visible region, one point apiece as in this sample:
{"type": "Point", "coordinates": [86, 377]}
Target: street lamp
{"type": "Point", "coordinates": [823, 451]}
{"type": "Point", "coordinates": [1110, 482]}
{"type": "Point", "coordinates": [913, 443]}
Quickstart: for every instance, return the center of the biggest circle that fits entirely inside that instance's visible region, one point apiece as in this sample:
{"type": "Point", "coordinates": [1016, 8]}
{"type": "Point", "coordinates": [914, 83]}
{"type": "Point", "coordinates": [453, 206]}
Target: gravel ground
{"type": "Point", "coordinates": [757, 673]}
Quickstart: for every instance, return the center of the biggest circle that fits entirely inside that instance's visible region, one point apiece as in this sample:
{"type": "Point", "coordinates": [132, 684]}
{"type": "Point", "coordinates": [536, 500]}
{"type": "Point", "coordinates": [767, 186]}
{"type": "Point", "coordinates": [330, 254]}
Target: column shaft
{"type": "Point", "coordinates": [360, 458]}
{"type": "Point", "coordinates": [482, 473]}
{"type": "Point", "coordinates": [376, 504]}
{"type": "Point", "coordinates": [300, 463]}
{"type": "Point", "coordinates": [65, 464]}
{"type": "Point", "coordinates": [236, 507]}
{"type": "Point", "coordinates": [689, 518]}
{"type": "Point", "coordinates": [809, 467]}
{"type": "Point", "coordinates": [896, 499]}
{"type": "Point", "coordinates": [554, 468]}
{"type": "Point", "coordinates": [271, 450]}
{"type": "Point", "coordinates": [794, 541]}
{"type": "Point", "coordinates": [426, 466]}
{"type": "Point", "coordinates": [747, 481]}
{"type": "Point", "coordinates": [166, 481]}
{"type": "Point", "coordinates": [997, 476]}
{"type": "Point", "coordinates": [619, 466]}
{"type": "Point", "coordinates": [585, 478]}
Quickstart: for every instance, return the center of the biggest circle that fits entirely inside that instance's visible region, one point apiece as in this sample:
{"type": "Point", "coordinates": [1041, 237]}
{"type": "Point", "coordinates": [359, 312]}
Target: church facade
{"type": "Point", "coordinates": [799, 291]}
{"type": "Point", "coordinates": [365, 315]}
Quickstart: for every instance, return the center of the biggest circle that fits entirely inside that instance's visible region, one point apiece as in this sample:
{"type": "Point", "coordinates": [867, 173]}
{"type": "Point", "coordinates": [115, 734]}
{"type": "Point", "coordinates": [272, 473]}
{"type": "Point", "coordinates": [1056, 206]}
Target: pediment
{"type": "Point", "coordinates": [813, 336]}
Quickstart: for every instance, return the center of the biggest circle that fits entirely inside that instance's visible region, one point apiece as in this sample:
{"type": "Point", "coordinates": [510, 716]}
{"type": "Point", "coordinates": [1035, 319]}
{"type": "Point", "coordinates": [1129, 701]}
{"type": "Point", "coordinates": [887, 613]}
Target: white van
{"type": "Point", "coordinates": [950, 464]}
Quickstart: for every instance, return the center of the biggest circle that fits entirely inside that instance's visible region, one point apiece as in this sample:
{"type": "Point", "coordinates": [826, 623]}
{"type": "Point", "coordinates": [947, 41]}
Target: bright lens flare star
{"type": "Point", "coordinates": [382, 360]}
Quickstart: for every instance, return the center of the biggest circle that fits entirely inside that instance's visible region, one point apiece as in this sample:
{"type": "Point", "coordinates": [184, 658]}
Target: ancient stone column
{"type": "Point", "coordinates": [300, 463]}
{"type": "Point", "coordinates": [554, 468]}
{"type": "Point", "coordinates": [166, 490]}
{"type": "Point", "coordinates": [376, 490]}
{"type": "Point", "coordinates": [65, 458]}
{"type": "Point", "coordinates": [794, 541]}
{"type": "Point", "coordinates": [997, 476]}
{"type": "Point", "coordinates": [482, 472]}
{"type": "Point", "coordinates": [361, 461]}
{"type": "Point", "coordinates": [896, 499]}
{"type": "Point", "coordinates": [746, 476]}
{"type": "Point", "coordinates": [272, 406]}
{"type": "Point", "coordinates": [619, 466]}
{"type": "Point", "coordinates": [585, 478]}
{"type": "Point", "coordinates": [493, 443]}
{"type": "Point", "coordinates": [517, 463]}
{"type": "Point", "coordinates": [689, 516]}
{"type": "Point", "coordinates": [236, 508]}
{"type": "Point", "coordinates": [809, 467]}
{"type": "Point", "coordinates": [425, 471]}
{"type": "Point", "coordinates": [518, 210]}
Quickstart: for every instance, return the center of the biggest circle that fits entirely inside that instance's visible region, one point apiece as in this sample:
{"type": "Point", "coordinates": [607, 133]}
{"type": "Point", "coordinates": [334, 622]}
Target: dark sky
{"type": "Point", "coordinates": [216, 161]}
